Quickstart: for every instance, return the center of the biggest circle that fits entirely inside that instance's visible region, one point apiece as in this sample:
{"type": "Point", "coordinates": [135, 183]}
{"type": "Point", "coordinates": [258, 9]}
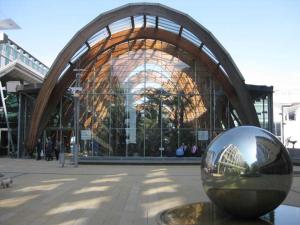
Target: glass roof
{"type": "Point", "coordinates": [150, 21]}
{"type": "Point", "coordinates": [168, 25]}
{"type": "Point", "coordinates": [123, 24]}
{"type": "Point", "coordinates": [191, 37]}
{"type": "Point", "coordinates": [210, 54]}
{"type": "Point", "coordinates": [140, 21]}
{"type": "Point", "coordinates": [100, 35]}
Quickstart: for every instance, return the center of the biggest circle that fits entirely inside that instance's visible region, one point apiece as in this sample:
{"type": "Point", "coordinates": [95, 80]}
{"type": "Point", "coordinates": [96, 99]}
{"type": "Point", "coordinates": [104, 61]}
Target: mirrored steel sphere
{"type": "Point", "coordinates": [246, 171]}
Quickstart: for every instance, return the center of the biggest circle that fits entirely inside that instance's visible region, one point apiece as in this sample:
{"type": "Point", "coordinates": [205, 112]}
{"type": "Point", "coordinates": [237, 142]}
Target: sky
{"type": "Point", "coordinates": [262, 36]}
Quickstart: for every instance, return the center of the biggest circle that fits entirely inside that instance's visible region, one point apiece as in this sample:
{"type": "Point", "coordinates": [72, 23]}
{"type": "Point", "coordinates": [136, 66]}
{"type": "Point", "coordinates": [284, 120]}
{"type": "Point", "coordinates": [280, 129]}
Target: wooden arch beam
{"type": "Point", "coordinates": [100, 54]}
{"type": "Point", "coordinates": [129, 10]}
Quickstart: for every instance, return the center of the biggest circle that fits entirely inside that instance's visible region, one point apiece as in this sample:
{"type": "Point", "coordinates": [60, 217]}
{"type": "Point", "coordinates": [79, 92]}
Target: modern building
{"type": "Point", "coordinates": [287, 123]}
{"type": "Point", "coordinates": [139, 81]}
{"type": "Point", "coordinates": [18, 69]}
{"type": "Point", "coordinates": [231, 161]}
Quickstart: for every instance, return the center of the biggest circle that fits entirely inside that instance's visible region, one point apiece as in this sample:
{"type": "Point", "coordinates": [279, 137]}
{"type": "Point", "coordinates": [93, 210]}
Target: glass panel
{"type": "Point", "coordinates": [135, 142]}
{"type": "Point", "coordinates": [100, 35]}
{"type": "Point", "coordinates": [170, 141]}
{"type": "Point", "coordinates": [261, 107]}
{"type": "Point", "coordinates": [118, 112]}
{"type": "Point", "coordinates": [118, 142]}
{"type": "Point", "coordinates": [138, 21]}
{"type": "Point", "coordinates": [102, 80]}
{"type": "Point", "coordinates": [210, 54]}
{"type": "Point", "coordinates": [187, 138]}
{"type": "Point", "coordinates": [223, 69]}
{"type": "Point", "coordinates": [83, 49]}
{"type": "Point", "coordinates": [169, 111]}
{"type": "Point", "coordinates": [151, 21]}
{"type": "Point", "coordinates": [152, 142]}
{"type": "Point", "coordinates": [220, 111]}
{"type": "Point", "coordinates": [67, 112]}
{"type": "Point", "coordinates": [11, 102]}
{"type": "Point", "coordinates": [100, 142]}
{"type": "Point", "coordinates": [146, 102]}
{"type": "Point", "coordinates": [123, 24]}
{"type": "Point", "coordinates": [168, 25]}
{"type": "Point", "coordinates": [191, 37]}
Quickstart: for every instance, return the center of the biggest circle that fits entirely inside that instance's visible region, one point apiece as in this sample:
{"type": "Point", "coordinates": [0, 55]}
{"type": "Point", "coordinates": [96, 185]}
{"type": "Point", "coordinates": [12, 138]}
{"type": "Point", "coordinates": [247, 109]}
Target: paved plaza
{"type": "Point", "coordinates": [43, 193]}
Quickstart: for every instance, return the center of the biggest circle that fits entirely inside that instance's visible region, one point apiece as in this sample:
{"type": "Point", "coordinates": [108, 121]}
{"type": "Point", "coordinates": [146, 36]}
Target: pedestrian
{"type": "Point", "coordinates": [180, 151]}
{"type": "Point", "coordinates": [49, 150]}
{"type": "Point", "coordinates": [56, 149]}
{"type": "Point", "coordinates": [194, 150]}
{"type": "Point", "coordinates": [39, 149]}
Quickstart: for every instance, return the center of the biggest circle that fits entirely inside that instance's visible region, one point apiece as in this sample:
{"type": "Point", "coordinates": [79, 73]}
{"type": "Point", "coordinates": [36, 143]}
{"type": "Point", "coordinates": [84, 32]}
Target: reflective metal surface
{"type": "Point", "coordinates": [205, 213]}
{"type": "Point", "coordinates": [246, 171]}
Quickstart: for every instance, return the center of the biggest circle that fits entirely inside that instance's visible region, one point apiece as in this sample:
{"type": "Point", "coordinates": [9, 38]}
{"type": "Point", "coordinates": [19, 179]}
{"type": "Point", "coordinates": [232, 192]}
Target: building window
{"type": "Point", "coordinates": [292, 116]}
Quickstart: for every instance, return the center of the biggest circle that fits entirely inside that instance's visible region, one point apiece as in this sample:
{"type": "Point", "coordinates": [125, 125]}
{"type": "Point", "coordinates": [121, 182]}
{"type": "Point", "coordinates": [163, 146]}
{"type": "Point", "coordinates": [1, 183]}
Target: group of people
{"type": "Point", "coordinates": [184, 150]}
{"type": "Point", "coordinates": [56, 149]}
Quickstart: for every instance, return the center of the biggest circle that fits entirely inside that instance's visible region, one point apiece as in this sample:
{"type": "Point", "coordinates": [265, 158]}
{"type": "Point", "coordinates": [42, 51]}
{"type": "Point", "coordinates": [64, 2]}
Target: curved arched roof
{"type": "Point", "coordinates": [146, 20]}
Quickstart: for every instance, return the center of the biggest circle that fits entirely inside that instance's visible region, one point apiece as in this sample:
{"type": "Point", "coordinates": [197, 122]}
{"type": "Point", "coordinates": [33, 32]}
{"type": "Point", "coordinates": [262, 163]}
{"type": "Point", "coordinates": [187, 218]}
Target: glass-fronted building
{"type": "Point", "coordinates": [17, 68]}
{"type": "Point", "coordinates": [147, 103]}
{"type": "Point", "coordinates": [263, 102]}
{"type": "Point", "coordinates": [139, 81]}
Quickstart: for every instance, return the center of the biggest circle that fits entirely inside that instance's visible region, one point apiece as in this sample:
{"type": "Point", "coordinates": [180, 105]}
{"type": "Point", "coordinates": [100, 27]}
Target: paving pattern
{"type": "Point", "coordinates": [43, 193]}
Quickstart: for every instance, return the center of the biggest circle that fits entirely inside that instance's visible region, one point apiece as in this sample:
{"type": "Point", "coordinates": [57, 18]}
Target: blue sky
{"type": "Point", "coordinates": [262, 36]}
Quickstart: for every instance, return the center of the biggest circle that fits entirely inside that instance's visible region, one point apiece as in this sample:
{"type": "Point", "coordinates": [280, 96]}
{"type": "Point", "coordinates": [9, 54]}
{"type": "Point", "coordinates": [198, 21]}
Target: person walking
{"type": "Point", "coordinates": [39, 149]}
{"type": "Point", "coordinates": [49, 150]}
{"type": "Point", "coordinates": [57, 149]}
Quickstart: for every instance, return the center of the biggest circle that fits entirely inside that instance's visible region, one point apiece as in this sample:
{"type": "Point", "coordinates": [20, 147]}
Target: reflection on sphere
{"type": "Point", "coordinates": [246, 171]}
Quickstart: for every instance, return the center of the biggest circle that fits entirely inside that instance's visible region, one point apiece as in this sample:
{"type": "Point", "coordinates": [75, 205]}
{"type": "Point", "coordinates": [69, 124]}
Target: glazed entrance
{"type": "Point", "coordinates": [148, 98]}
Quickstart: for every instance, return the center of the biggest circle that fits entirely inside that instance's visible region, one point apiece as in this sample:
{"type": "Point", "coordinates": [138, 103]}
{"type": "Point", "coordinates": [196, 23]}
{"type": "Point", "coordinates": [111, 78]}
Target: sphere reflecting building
{"type": "Point", "coordinates": [246, 171]}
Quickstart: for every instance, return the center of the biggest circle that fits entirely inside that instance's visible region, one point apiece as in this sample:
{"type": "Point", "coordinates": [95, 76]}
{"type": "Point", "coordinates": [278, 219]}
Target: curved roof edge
{"type": "Point", "coordinates": [133, 9]}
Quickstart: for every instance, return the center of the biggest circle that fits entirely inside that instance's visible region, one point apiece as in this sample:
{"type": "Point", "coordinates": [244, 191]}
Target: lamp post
{"type": "Point", "coordinates": [76, 90]}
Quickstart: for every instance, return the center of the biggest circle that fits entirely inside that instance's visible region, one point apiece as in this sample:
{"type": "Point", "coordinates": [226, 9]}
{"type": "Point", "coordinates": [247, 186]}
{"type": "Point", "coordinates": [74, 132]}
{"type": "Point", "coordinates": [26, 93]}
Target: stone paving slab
{"type": "Point", "coordinates": [44, 194]}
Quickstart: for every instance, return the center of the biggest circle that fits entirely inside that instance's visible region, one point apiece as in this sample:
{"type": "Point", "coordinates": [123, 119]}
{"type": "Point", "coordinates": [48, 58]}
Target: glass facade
{"type": "Point", "coordinates": [262, 97]}
{"type": "Point", "coordinates": [147, 102]}
{"type": "Point", "coordinates": [262, 109]}
{"type": "Point", "coordinates": [12, 114]}
{"type": "Point", "coordinates": [140, 97]}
